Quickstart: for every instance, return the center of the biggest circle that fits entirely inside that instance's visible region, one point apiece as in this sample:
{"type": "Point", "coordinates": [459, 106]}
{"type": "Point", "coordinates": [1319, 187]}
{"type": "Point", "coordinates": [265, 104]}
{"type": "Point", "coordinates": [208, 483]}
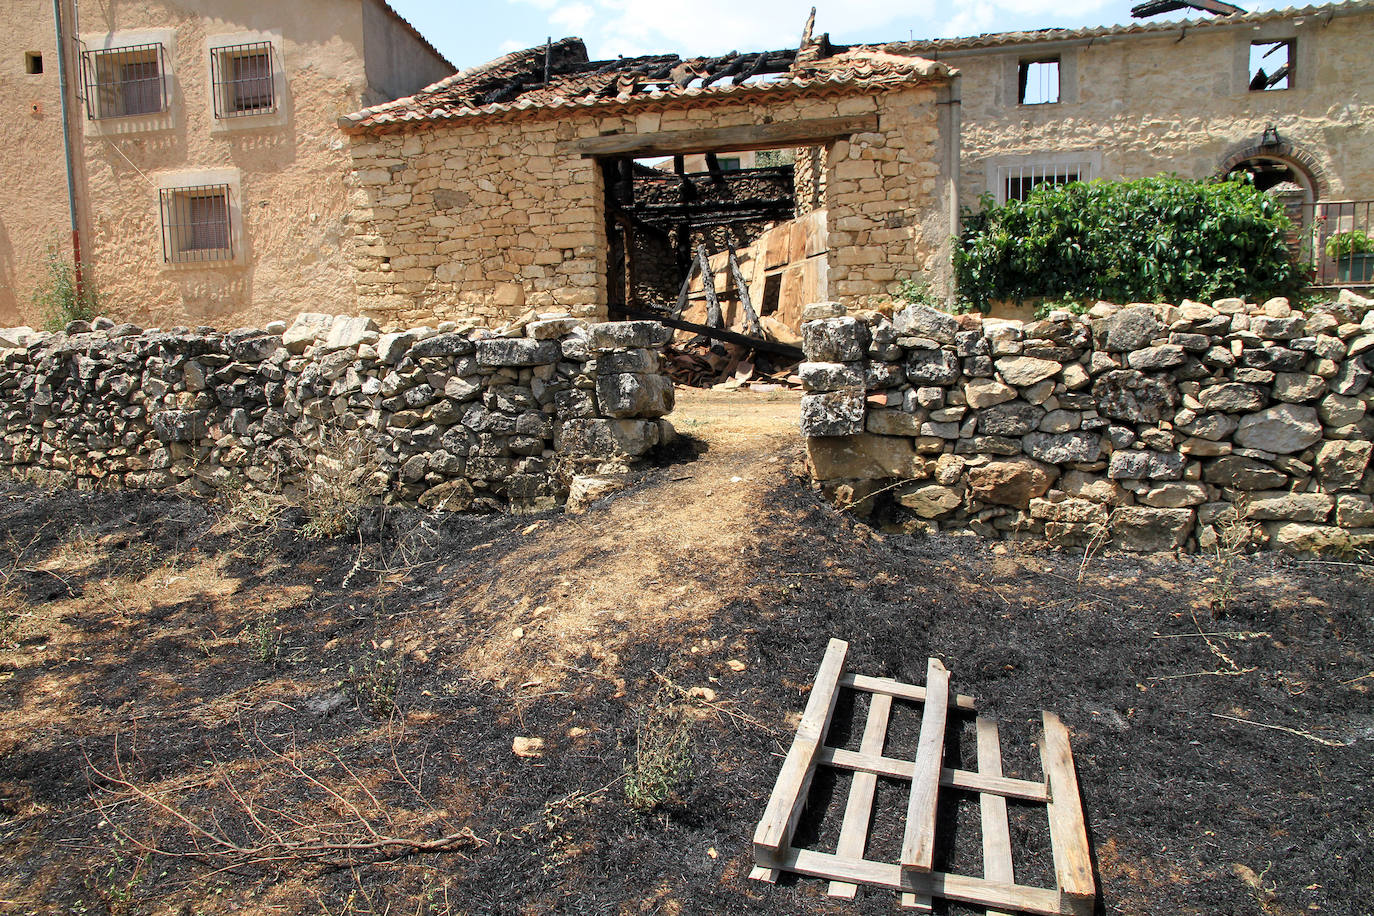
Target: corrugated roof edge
{"type": "Point", "coordinates": [405, 24]}
{"type": "Point", "coordinates": [994, 39]}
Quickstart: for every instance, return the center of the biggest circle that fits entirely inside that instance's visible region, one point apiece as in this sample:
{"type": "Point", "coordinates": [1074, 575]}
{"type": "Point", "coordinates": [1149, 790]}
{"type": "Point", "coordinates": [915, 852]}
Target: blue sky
{"type": "Point", "coordinates": [469, 33]}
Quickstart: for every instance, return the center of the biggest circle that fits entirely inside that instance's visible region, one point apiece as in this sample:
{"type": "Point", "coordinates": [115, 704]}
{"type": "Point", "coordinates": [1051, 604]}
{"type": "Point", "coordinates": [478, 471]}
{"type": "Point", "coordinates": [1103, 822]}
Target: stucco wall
{"type": "Point", "coordinates": [33, 203]}
{"type": "Point", "coordinates": [398, 63]}
{"type": "Point", "coordinates": [289, 201]}
{"type": "Point", "coordinates": [1178, 102]}
{"type": "Point", "coordinates": [488, 218]}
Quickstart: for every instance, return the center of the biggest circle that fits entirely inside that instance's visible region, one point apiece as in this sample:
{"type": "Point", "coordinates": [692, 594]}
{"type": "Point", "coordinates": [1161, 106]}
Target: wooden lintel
{"type": "Point", "coordinates": [722, 139]}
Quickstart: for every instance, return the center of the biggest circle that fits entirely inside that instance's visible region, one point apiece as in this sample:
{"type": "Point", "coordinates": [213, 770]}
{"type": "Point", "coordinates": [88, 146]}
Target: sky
{"type": "Point", "coordinates": [470, 32]}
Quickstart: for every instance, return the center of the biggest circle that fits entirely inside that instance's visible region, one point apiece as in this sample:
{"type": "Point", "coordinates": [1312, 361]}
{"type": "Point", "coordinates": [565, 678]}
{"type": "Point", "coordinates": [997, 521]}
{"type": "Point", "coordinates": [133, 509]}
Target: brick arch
{"type": "Point", "coordinates": [1303, 163]}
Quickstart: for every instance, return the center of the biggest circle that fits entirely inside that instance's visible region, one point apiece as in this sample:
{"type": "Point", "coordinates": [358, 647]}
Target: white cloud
{"type": "Point", "coordinates": [572, 18]}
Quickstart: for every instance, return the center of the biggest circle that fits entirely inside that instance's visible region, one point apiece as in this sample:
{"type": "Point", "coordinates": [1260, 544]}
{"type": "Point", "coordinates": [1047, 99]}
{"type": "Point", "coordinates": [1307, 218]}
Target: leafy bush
{"type": "Point", "coordinates": [58, 298]}
{"type": "Point", "coordinates": [1344, 244]}
{"type": "Point", "coordinates": [1154, 239]}
{"type": "Point", "coordinates": [660, 774]}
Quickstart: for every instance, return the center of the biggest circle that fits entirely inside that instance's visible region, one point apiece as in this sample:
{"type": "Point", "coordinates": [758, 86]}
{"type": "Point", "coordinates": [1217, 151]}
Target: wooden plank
{"type": "Point", "coordinates": [997, 865]}
{"type": "Point", "coordinates": [774, 832]}
{"type": "Point", "coordinates": [967, 780]}
{"type": "Point", "coordinates": [902, 691]}
{"type": "Point", "coordinates": [859, 807]}
{"type": "Point", "coordinates": [963, 888]}
{"type": "Point", "coordinates": [1073, 868]}
{"type": "Point", "coordinates": [918, 844]}
{"type": "Point", "coordinates": [806, 132]}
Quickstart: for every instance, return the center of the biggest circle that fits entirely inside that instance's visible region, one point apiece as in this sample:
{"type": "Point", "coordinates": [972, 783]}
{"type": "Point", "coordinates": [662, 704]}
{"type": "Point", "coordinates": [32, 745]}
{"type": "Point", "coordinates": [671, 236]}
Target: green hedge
{"type": "Point", "coordinates": [1159, 239]}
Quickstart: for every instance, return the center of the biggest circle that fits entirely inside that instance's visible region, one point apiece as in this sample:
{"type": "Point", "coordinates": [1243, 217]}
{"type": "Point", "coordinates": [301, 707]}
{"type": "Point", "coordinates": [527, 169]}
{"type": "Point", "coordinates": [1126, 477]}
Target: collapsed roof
{"type": "Point", "coordinates": [560, 75]}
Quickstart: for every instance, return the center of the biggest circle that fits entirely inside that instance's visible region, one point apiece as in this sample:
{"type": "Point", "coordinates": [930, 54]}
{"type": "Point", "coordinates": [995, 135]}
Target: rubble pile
{"type": "Point", "coordinates": [442, 417]}
{"type": "Point", "coordinates": [1149, 427]}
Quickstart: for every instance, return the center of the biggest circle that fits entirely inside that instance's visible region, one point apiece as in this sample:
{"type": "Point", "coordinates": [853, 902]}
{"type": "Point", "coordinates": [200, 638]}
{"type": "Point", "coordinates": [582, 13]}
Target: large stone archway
{"type": "Point", "coordinates": [1275, 162]}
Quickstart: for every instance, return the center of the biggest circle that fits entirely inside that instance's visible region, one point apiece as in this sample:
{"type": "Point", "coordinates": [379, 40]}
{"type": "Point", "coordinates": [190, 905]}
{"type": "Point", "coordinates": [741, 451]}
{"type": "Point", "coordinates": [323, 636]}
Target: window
{"type": "Point", "coordinates": [1271, 65]}
{"type": "Point", "coordinates": [121, 82]}
{"type": "Point", "coordinates": [242, 76]}
{"type": "Point", "coordinates": [195, 224]}
{"type": "Point", "coordinates": [1037, 81]}
{"type": "Point", "coordinates": [33, 62]}
{"type": "Point", "coordinates": [1015, 182]}
{"type": "Point", "coordinates": [729, 163]}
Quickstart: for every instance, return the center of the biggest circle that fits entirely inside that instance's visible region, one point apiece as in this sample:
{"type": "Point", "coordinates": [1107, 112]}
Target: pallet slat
{"type": "Point", "coordinates": [900, 691]}
{"type": "Point", "coordinates": [918, 845]}
{"type": "Point", "coordinates": [858, 809]}
{"type": "Point", "coordinates": [968, 780]}
{"type": "Point", "coordinates": [1073, 868]}
{"type": "Point", "coordinates": [789, 792]}
{"type": "Point", "coordinates": [978, 891]}
{"type": "Point", "coordinates": [992, 809]}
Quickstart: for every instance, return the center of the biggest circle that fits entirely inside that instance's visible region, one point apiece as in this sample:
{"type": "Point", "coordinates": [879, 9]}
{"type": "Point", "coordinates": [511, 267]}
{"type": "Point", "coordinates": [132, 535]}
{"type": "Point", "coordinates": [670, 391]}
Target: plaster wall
{"type": "Point", "coordinates": [33, 203]}
{"type": "Point", "coordinates": [288, 201]}
{"type": "Point", "coordinates": [488, 218]}
{"type": "Point", "coordinates": [1176, 102]}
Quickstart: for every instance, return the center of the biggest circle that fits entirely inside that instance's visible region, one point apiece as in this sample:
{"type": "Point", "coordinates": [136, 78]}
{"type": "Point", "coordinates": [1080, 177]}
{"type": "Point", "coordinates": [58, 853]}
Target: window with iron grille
{"type": "Point", "coordinates": [121, 82]}
{"type": "Point", "coordinates": [243, 80]}
{"type": "Point", "coordinates": [195, 224]}
{"type": "Point", "coordinates": [1015, 182]}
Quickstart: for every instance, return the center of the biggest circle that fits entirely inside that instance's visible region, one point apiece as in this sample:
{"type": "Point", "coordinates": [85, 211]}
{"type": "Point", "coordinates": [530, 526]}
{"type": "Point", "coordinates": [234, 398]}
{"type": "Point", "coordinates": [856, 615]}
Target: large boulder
{"type": "Point", "coordinates": [1128, 329]}
{"type": "Point", "coordinates": [629, 394]}
{"type": "Point", "coordinates": [1129, 394]}
{"type": "Point", "coordinates": [924, 321]}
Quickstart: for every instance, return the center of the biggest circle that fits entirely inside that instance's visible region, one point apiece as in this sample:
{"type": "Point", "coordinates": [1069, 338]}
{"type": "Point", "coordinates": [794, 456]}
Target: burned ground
{"type": "Point", "coordinates": [167, 669]}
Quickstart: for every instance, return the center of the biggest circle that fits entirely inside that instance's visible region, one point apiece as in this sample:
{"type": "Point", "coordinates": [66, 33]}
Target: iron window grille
{"type": "Point", "coordinates": [1017, 181]}
{"type": "Point", "coordinates": [242, 78]}
{"type": "Point", "coordinates": [123, 82]}
{"type": "Point", "coordinates": [195, 224]}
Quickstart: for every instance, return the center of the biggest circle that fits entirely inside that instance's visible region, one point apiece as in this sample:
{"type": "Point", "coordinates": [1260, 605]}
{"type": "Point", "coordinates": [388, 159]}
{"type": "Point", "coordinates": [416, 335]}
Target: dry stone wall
{"type": "Point", "coordinates": [444, 417]}
{"type": "Point", "coordinates": [1147, 427]}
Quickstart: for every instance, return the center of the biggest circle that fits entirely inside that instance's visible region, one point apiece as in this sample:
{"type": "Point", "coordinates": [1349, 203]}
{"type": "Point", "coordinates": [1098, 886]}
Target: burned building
{"type": "Point", "coordinates": [524, 182]}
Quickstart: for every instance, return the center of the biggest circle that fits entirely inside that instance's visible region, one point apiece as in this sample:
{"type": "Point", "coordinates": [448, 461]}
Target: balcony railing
{"type": "Point", "coordinates": [1327, 219]}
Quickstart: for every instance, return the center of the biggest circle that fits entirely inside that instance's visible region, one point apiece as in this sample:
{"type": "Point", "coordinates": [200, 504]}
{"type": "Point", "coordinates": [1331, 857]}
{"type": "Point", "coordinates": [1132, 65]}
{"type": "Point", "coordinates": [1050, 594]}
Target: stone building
{"type": "Point", "coordinates": [486, 194]}
{"type": "Point", "coordinates": [209, 173]}
{"type": "Point", "coordinates": [1288, 95]}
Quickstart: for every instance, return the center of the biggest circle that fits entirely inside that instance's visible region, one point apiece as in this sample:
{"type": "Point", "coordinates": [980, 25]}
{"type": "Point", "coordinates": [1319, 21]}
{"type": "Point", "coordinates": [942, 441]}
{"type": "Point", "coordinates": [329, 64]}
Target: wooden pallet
{"type": "Point", "coordinates": [914, 876]}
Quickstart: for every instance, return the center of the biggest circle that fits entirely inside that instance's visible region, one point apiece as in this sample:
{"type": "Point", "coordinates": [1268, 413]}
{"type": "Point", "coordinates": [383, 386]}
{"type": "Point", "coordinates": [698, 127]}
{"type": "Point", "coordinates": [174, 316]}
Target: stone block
{"type": "Point", "coordinates": [1174, 496]}
{"type": "Point", "coordinates": [1282, 505]}
{"type": "Point", "coordinates": [609, 335]}
{"type": "Point", "coordinates": [1341, 464]}
{"type": "Point", "coordinates": [629, 394]}
{"type": "Point", "coordinates": [308, 328]}
{"type": "Point", "coordinates": [349, 332]}
{"type": "Point", "coordinates": [1283, 429]}
{"type": "Point", "coordinates": [835, 340]}
{"type": "Point", "coordinates": [932, 367]}
{"type": "Point", "coordinates": [892, 423]}
{"type": "Point", "coordinates": [513, 351]}
{"type": "Point", "coordinates": [1241, 473]}
{"type": "Point", "coordinates": [932, 500]}
{"type": "Point", "coordinates": [830, 376]}
{"type": "Point", "coordinates": [923, 321]}
{"type": "Point", "coordinates": [447, 345]}
{"type": "Point", "coordinates": [1023, 371]}
{"type": "Point", "coordinates": [1145, 529]}
{"type": "Point", "coordinates": [982, 393]}
{"type": "Point", "coordinates": [1129, 394]}
{"type": "Point", "coordinates": [1062, 448]}
{"type": "Point", "coordinates": [1011, 483]}
{"type": "Point", "coordinates": [863, 457]}
{"type": "Point", "coordinates": [1354, 510]}
{"type": "Point", "coordinates": [1128, 329]}
{"type": "Point", "coordinates": [603, 438]}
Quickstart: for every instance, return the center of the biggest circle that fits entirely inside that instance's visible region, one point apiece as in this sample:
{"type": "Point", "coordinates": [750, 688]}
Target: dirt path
{"type": "Point", "coordinates": [675, 548]}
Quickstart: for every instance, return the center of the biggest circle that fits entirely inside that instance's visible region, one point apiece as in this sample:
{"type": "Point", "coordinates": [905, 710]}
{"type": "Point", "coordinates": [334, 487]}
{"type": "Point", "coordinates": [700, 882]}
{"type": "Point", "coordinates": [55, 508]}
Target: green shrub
{"type": "Point", "coordinates": [59, 300]}
{"type": "Point", "coordinates": [1344, 244]}
{"type": "Point", "coordinates": [660, 774]}
{"type": "Point", "coordinates": [1154, 239]}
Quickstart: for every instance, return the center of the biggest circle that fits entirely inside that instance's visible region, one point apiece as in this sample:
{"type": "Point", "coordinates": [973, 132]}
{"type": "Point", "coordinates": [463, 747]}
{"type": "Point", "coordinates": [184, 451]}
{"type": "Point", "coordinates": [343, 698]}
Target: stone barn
{"type": "Point", "coordinates": [522, 183]}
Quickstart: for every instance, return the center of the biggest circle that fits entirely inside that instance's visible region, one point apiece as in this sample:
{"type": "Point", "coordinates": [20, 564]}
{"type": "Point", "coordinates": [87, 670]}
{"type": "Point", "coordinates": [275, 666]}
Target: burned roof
{"type": "Point", "coordinates": [937, 46]}
{"type": "Point", "coordinates": [559, 75]}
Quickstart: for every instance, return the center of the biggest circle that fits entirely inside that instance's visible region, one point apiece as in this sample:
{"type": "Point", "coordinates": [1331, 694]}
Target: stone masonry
{"type": "Point", "coordinates": [1147, 427]}
{"type": "Point", "coordinates": [443, 417]}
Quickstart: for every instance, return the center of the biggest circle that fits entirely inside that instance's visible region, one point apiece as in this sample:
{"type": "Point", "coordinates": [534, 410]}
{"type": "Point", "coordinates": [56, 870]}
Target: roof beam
{"type": "Point", "coordinates": [722, 139]}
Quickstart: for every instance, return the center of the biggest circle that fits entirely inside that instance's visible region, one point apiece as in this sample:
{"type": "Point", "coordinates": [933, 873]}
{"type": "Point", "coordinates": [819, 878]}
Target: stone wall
{"type": "Point", "coordinates": [487, 216]}
{"type": "Point", "coordinates": [445, 418]}
{"type": "Point", "coordinates": [1135, 105]}
{"type": "Point", "coordinates": [1147, 427]}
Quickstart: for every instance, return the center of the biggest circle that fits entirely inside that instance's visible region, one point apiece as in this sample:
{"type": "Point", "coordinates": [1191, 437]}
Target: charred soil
{"type": "Point", "coordinates": [203, 716]}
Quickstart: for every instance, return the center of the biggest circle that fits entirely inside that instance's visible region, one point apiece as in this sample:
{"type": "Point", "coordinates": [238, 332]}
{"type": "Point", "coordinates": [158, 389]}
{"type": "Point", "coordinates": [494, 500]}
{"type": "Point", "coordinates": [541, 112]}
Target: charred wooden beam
{"type": "Point", "coordinates": [756, 343]}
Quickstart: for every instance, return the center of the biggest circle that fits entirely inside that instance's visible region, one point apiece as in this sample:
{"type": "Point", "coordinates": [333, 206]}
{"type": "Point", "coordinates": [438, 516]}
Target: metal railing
{"type": "Point", "coordinates": [242, 80]}
{"type": "Point", "coordinates": [1324, 236]}
{"type": "Point", "coordinates": [195, 224]}
{"type": "Point", "coordinates": [123, 82]}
